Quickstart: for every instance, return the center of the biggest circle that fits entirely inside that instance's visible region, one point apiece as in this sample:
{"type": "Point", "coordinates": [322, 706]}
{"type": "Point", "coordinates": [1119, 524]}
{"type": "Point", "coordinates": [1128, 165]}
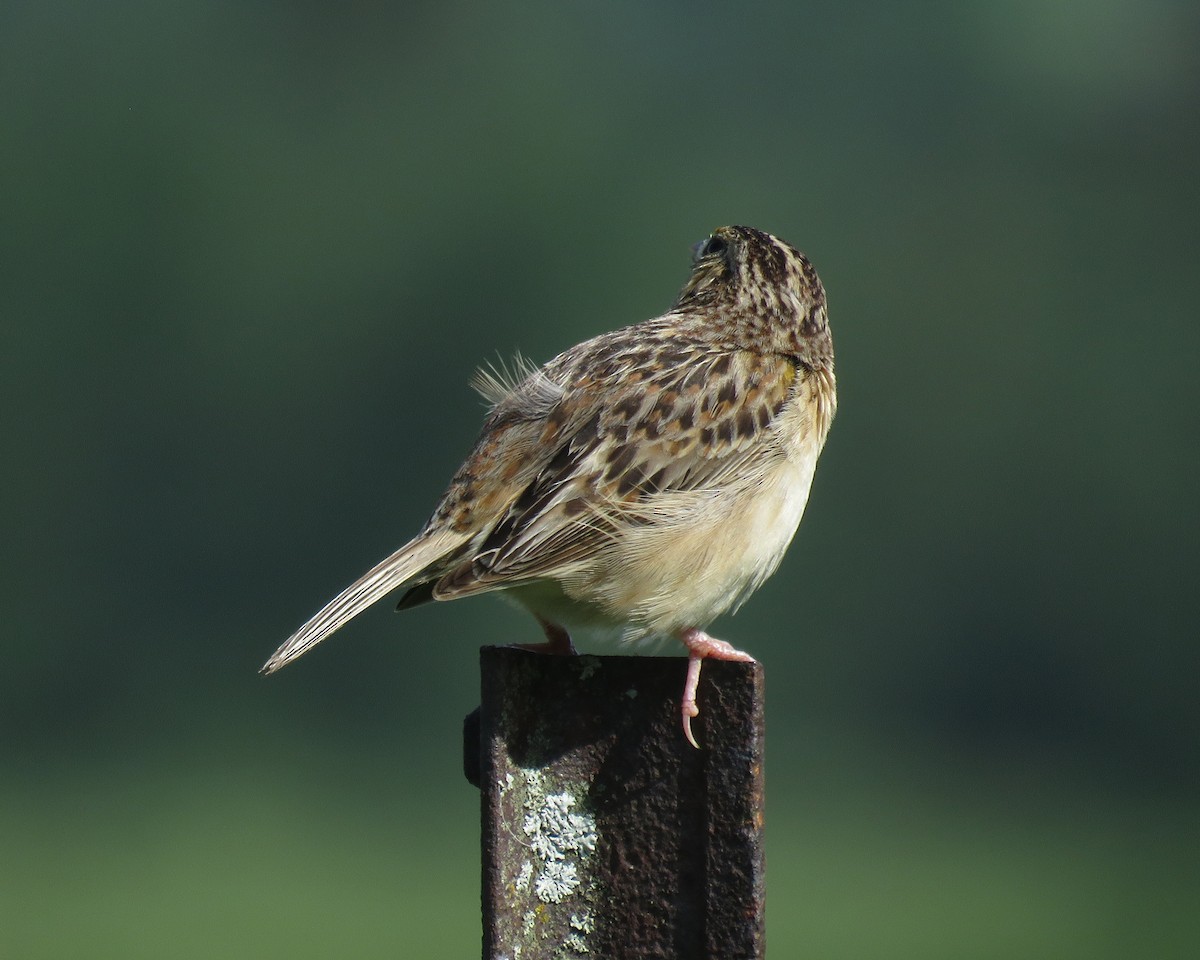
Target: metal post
{"type": "Point", "coordinates": [605, 834]}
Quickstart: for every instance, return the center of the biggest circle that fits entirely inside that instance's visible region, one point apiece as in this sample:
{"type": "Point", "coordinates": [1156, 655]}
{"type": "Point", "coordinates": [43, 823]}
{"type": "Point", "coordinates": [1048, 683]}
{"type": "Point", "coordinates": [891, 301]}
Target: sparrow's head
{"type": "Point", "coordinates": [759, 292]}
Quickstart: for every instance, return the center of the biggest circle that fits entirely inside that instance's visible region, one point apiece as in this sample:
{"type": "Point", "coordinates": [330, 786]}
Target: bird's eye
{"type": "Point", "coordinates": [714, 247]}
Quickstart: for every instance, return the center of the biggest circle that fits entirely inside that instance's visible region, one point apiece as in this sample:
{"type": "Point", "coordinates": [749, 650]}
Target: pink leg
{"type": "Point", "coordinates": [558, 641]}
{"type": "Point", "coordinates": [701, 646]}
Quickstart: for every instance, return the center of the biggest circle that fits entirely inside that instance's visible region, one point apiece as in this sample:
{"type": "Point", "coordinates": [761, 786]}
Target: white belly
{"type": "Point", "coordinates": [704, 553]}
{"type": "Point", "coordinates": [661, 579]}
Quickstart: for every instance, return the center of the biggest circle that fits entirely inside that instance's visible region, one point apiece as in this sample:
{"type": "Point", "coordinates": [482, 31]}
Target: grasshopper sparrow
{"type": "Point", "coordinates": [644, 481]}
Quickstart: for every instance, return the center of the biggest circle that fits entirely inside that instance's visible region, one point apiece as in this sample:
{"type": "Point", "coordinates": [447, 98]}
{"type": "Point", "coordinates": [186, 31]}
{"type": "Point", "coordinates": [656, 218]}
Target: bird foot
{"type": "Point", "coordinates": [558, 641]}
{"type": "Point", "coordinates": [700, 647]}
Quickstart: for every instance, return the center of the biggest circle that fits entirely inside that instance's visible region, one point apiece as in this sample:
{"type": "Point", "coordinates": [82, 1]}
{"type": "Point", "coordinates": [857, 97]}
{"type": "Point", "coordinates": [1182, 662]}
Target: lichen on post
{"type": "Point", "coordinates": [605, 834]}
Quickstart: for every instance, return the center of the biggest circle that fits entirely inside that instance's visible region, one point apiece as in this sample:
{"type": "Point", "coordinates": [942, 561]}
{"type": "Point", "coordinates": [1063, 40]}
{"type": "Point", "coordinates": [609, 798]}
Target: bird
{"type": "Point", "coordinates": [643, 482]}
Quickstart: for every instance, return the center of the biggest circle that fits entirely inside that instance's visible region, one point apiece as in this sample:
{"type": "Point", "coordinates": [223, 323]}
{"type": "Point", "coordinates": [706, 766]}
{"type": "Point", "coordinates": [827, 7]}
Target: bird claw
{"type": "Point", "coordinates": [689, 702]}
{"type": "Point", "coordinates": [558, 641]}
{"type": "Point", "coordinates": [700, 647]}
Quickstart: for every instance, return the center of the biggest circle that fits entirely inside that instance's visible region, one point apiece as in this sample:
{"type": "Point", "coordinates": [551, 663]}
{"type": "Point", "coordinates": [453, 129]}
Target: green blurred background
{"type": "Point", "coordinates": [252, 253]}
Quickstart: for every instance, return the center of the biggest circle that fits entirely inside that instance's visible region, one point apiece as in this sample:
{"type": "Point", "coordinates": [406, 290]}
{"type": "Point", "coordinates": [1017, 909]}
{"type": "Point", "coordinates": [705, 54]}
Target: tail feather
{"type": "Point", "coordinates": [401, 567]}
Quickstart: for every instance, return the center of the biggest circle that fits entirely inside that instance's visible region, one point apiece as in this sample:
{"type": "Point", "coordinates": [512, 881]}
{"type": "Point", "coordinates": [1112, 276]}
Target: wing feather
{"type": "Point", "coordinates": [668, 442]}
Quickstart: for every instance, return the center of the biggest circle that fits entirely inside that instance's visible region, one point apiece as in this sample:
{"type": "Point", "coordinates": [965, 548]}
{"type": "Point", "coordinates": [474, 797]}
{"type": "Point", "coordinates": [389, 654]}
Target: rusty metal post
{"type": "Point", "coordinates": [605, 834]}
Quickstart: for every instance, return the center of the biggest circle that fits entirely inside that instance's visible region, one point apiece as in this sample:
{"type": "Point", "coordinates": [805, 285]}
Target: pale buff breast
{"type": "Point", "coordinates": [707, 551]}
